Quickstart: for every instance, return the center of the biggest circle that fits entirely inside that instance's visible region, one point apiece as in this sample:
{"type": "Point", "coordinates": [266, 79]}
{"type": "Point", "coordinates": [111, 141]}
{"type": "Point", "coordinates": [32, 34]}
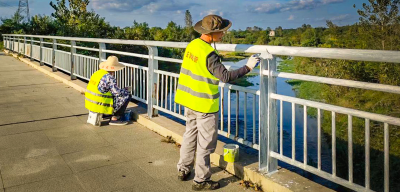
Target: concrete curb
{"type": "Point", "coordinates": [246, 168]}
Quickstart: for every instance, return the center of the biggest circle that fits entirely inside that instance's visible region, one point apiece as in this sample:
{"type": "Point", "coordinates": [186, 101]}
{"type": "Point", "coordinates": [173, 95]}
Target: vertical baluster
{"type": "Point", "coordinates": [293, 132]}
{"type": "Point", "coordinates": [134, 81]}
{"type": "Point", "coordinates": [139, 83]}
{"type": "Point", "coordinates": [166, 92]}
{"type": "Point", "coordinates": [162, 90]}
{"type": "Point", "coordinates": [237, 114]}
{"type": "Point", "coordinates": [229, 112]}
{"type": "Point", "coordinates": [333, 144]}
{"type": "Point", "coordinates": [386, 148]}
{"type": "Point", "coordinates": [143, 84]}
{"type": "Point", "coordinates": [245, 117]}
{"type": "Point", "coordinates": [175, 93]}
{"type": "Point", "coordinates": [305, 136]}
{"type": "Point", "coordinates": [222, 107]}
{"type": "Point", "coordinates": [170, 93]}
{"type": "Point", "coordinates": [367, 155]}
{"type": "Point", "coordinates": [72, 62]}
{"type": "Point", "coordinates": [319, 139]}
{"type": "Point", "coordinates": [88, 68]}
{"type": "Point", "coordinates": [126, 76]}
{"type": "Point", "coordinates": [158, 89]}
{"type": "Point", "coordinates": [254, 118]}
{"type": "Point", "coordinates": [350, 146]}
{"type": "Point", "coordinates": [281, 129]}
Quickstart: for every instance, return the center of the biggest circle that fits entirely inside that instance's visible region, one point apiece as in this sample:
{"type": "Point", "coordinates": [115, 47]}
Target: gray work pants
{"type": "Point", "coordinates": [201, 133]}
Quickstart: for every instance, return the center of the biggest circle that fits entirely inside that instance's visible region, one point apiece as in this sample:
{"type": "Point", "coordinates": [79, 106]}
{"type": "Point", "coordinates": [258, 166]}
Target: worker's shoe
{"type": "Point", "coordinates": [118, 122]}
{"type": "Point", "coordinates": [183, 176]}
{"type": "Point", "coordinates": [205, 186]}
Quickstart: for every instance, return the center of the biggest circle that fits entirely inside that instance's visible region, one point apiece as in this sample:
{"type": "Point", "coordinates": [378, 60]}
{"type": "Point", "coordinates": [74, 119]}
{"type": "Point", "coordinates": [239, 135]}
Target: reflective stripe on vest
{"type": "Point", "coordinates": [96, 101]}
{"type": "Point", "coordinates": [197, 87]}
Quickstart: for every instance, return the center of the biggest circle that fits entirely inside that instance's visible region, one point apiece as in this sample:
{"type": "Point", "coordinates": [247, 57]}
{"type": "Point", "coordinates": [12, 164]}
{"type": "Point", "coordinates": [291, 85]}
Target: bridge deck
{"type": "Point", "coordinates": [46, 145]}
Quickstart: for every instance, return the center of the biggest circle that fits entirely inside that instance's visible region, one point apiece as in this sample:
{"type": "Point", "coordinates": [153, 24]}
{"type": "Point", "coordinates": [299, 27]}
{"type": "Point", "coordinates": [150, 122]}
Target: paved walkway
{"type": "Point", "coordinates": [46, 145]}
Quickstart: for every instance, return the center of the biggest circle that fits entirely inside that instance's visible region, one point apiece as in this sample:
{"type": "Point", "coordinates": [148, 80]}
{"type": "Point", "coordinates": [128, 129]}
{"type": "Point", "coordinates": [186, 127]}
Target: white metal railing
{"type": "Point", "coordinates": [156, 88]}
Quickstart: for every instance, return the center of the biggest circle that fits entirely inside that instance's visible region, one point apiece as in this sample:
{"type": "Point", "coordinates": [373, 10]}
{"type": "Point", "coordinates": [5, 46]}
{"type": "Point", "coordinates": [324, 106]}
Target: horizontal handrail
{"type": "Point", "coordinates": [340, 82]}
{"type": "Point", "coordinates": [327, 53]}
{"type": "Point", "coordinates": [343, 110]}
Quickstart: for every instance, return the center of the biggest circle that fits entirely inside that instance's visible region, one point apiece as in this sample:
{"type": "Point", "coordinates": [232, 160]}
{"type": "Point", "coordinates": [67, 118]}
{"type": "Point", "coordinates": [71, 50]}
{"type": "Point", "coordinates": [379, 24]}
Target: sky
{"type": "Point", "coordinates": [242, 13]}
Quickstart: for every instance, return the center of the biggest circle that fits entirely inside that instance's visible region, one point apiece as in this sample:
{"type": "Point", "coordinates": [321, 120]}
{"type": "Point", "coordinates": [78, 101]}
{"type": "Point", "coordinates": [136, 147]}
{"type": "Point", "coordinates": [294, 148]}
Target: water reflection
{"type": "Point", "coordinates": [286, 89]}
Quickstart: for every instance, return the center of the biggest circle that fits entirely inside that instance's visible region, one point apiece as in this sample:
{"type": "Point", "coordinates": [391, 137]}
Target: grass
{"type": "Point", "coordinates": [233, 56]}
{"type": "Point", "coordinates": [170, 140]}
{"type": "Point", "coordinates": [1, 46]}
{"type": "Point", "coordinates": [249, 184]}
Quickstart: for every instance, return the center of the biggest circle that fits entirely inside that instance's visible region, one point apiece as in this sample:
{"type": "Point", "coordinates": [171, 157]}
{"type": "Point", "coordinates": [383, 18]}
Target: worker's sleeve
{"type": "Point", "coordinates": [216, 68]}
{"type": "Point", "coordinates": [109, 84]}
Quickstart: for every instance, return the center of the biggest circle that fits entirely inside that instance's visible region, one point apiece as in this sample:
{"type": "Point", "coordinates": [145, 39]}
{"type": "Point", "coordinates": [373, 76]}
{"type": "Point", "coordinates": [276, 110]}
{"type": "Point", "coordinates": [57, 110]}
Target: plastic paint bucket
{"type": "Point", "coordinates": [127, 115]}
{"type": "Point", "coordinates": [231, 153]}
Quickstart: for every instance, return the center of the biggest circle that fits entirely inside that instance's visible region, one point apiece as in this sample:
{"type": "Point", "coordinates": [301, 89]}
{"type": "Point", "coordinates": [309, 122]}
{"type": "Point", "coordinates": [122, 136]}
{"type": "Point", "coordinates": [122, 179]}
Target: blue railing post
{"type": "Point", "coordinates": [73, 52]}
{"type": "Point", "coordinates": [268, 130]}
{"type": "Point", "coordinates": [53, 60]}
{"type": "Point", "coordinates": [41, 52]}
{"type": "Point", "coordinates": [152, 82]}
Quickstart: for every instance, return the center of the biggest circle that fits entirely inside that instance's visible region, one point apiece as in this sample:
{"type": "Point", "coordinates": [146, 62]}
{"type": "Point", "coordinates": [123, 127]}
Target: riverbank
{"type": "Point", "coordinates": [233, 56]}
{"type": "Point", "coordinates": [365, 100]}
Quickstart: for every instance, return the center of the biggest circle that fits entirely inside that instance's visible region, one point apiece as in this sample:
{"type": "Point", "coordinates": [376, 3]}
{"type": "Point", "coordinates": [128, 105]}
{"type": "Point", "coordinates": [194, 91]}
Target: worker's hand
{"type": "Point", "coordinates": [253, 61]}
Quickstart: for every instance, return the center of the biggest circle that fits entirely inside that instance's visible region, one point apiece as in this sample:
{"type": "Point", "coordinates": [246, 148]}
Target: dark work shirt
{"type": "Point", "coordinates": [216, 68]}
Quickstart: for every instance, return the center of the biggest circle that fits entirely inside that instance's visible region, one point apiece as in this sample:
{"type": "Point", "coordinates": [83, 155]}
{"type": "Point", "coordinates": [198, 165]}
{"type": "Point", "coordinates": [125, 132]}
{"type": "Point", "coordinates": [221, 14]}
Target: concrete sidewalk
{"type": "Point", "coordinates": [46, 145]}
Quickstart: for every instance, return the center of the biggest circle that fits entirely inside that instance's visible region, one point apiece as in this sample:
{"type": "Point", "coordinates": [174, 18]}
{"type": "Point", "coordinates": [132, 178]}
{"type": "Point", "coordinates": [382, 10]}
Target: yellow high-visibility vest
{"type": "Point", "coordinates": [197, 87]}
{"type": "Point", "coordinates": [96, 101]}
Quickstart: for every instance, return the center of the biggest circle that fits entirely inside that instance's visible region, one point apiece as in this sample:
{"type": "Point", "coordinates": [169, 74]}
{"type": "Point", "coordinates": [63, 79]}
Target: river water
{"type": "Point", "coordinates": [286, 89]}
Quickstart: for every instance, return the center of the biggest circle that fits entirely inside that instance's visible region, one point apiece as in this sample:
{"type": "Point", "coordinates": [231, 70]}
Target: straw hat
{"type": "Point", "coordinates": [111, 64]}
{"type": "Point", "coordinates": [212, 23]}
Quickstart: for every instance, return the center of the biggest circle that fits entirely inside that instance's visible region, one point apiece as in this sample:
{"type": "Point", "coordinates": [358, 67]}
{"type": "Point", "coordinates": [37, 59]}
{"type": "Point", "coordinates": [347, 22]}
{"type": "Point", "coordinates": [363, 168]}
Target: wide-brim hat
{"type": "Point", "coordinates": [111, 64]}
{"type": "Point", "coordinates": [212, 23]}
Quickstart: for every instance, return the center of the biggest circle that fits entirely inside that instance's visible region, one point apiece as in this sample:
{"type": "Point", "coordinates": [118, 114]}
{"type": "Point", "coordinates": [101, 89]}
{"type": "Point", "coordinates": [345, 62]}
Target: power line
{"type": "Point", "coordinates": [4, 4]}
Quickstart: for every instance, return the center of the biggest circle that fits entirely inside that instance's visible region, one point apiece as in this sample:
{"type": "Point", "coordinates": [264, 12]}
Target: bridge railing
{"type": "Point", "coordinates": [156, 88]}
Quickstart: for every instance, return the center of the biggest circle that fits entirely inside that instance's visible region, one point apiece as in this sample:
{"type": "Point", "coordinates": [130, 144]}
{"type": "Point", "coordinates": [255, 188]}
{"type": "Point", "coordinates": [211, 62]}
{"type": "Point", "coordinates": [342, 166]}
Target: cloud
{"type": "Point", "coordinates": [212, 12]}
{"type": "Point", "coordinates": [291, 5]}
{"type": "Point", "coordinates": [291, 18]}
{"type": "Point", "coordinates": [334, 18]}
{"type": "Point", "coordinates": [340, 17]}
{"type": "Point", "coordinates": [149, 5]}
{"type": "Point", "coordinates": [168, 5]}
{"type": "Point", "coordinates": [120, 5]}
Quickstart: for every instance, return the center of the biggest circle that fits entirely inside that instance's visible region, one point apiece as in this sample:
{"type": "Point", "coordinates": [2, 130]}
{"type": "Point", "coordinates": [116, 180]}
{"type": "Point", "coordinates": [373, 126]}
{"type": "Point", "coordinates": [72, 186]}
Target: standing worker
{"type": "Point", "coordinates": [198, 92]}
{"type": "Point", "coordinates": [103, 94]}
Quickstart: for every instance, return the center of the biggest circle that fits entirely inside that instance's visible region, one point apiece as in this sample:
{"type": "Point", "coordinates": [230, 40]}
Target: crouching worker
{"type": "Point", "coordinates": [103, 94]}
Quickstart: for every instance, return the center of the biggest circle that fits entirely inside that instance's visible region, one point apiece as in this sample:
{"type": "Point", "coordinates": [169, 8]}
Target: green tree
{"type": "Point", "coordinates": [73, 19]}
{"type": "Point", "coordinates": [42, 25]}
{"type": "Point", "coordinates": [188, 19]}
{"type": "Point", "coordinates": [383, 16]}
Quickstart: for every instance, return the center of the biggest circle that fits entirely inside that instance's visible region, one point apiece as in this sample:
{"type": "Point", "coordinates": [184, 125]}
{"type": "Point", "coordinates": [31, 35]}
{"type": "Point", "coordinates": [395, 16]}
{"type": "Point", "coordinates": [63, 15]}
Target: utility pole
{"type": "Point", "coordinates": [23, 9]}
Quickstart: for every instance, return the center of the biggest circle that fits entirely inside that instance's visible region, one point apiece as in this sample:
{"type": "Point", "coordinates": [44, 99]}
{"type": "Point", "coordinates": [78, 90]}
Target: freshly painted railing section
{"type": "Point", "coordinates": [157, 88]}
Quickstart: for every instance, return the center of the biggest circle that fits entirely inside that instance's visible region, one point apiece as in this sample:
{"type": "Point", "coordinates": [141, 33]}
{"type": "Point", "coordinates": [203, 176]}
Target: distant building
{"type": "Point", "coordinates": [272, 33]}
